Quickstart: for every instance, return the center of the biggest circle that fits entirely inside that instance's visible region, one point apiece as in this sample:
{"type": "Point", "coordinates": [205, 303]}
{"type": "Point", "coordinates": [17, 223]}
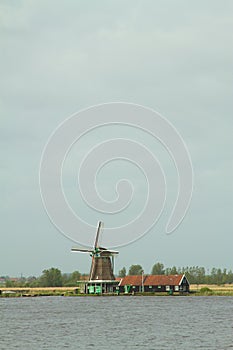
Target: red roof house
{"type": "Point", "coordinates": [154, 283]}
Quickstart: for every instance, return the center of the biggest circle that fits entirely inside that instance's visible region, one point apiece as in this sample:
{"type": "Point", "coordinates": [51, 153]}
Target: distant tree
{"type": "Point", "coordinates": [65, 278]}
{"type": "Point", "coordinates": [122, 272]}
{"type": "Point", "coordinates": [230, 276]}
{"type": "Point", "coordinates": [213, 275]}
{"type": "Point", "coordinates": [174, 270]}
{"type": "Point", "coordinates": [9, 283]}
{"type": "Point", "coordinates": [196, 274]}
{"type": "Point", "coordinates": [70, 279]}
{"type": "Point", "coordinates": [219, 276]}
{"type": "Point", "coordinates": [224, 276]}
{"type": "Point", "coordinates": [158, 269]}
{"type": "Point", "coordinates": [135, 270]}
{"type": "Point", "coordinates": [36, 282]}
{"type": "Point", "coordinates": [51, 278]}
{"type": "Point", "coordinates": [75, 276]}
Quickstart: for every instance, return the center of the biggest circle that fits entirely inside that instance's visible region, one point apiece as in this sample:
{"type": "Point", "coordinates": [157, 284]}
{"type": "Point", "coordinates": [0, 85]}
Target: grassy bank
{"type": "Point", "coordinates": [212, 289]}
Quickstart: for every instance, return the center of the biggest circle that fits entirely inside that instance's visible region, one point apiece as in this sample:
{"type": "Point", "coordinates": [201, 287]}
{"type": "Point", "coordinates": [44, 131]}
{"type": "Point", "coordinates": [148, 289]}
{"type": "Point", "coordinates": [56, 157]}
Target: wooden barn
{"type": "Point", "coordinates": [166, 283]}
{"type": "Point", "coordinates": [154, 284]}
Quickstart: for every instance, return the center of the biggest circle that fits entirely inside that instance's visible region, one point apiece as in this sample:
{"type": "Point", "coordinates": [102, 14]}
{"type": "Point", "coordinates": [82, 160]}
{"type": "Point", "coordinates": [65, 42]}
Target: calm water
{"type": "Point", "coordinates": [116, 323]}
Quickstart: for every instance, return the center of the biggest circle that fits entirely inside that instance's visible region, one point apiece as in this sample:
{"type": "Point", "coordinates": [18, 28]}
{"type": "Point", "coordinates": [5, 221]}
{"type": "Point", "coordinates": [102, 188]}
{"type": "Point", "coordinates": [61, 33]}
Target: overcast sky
{"type": "Point", "coordinates": [58, 57]}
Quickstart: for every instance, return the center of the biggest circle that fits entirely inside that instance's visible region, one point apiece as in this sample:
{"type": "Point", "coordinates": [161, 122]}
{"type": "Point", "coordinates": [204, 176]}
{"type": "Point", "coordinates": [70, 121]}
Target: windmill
{"type": "Point", "coordinates": [102, 266]}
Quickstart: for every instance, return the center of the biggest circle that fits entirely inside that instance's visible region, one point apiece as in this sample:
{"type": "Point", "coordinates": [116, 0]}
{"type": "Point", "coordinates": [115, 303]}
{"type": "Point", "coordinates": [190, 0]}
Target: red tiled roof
{"type": "Point", "coordinates": [131, 280]}
{"type": "Point", "coordinates": [152, 280]}
{"type": "Point", "coordinates": [163, 280]}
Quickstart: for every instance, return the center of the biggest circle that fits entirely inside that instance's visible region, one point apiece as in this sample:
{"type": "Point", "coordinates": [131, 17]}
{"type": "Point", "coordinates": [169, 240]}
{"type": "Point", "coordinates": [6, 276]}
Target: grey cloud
{"type": "Point", "coordinates": [174, 56]}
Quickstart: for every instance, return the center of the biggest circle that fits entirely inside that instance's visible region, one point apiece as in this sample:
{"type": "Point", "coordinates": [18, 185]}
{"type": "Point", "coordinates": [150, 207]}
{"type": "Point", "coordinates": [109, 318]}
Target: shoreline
{"type": "Point", "coordinates": [195, 290]}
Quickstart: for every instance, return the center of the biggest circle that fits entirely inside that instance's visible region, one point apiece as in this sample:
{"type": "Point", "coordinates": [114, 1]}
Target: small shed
{"type": "Point", "coordinates": [166, 283]}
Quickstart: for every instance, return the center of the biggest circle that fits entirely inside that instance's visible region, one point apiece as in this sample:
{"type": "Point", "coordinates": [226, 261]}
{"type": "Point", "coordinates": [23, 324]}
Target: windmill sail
{"type": "Point", "coordinates": [76, 249]}
{"type": "Point", "coordinates": [97, 234]}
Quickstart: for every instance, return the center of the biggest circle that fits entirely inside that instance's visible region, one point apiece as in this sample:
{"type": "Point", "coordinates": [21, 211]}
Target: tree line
{"type": "Point", "coordinates": [53, 277]}
{"type": "Point", "coordinates": [194, 274]}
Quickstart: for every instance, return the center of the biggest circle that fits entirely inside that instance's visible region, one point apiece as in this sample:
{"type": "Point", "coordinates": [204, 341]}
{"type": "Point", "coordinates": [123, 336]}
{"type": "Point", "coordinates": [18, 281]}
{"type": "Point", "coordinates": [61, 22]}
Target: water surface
{"type": "Point", "coordinates": [116, 323]}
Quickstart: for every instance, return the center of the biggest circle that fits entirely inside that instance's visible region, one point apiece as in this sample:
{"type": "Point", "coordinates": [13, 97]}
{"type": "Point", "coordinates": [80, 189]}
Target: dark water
{"type": "Point", "coordinates": [116, 323]}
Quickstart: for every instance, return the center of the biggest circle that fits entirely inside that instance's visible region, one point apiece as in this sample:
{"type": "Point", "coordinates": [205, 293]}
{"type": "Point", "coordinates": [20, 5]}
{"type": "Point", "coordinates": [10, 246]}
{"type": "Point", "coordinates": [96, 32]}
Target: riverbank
{"type": "Point", "coordinates": [195, 290]}
{"type": "Point", "coordinates": [40, 291]}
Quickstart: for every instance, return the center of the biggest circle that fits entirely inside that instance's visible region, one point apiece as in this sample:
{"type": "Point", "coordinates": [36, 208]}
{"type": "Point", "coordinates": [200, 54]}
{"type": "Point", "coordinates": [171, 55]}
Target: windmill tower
{"type": "Point", "coordinates": [101, 278]}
